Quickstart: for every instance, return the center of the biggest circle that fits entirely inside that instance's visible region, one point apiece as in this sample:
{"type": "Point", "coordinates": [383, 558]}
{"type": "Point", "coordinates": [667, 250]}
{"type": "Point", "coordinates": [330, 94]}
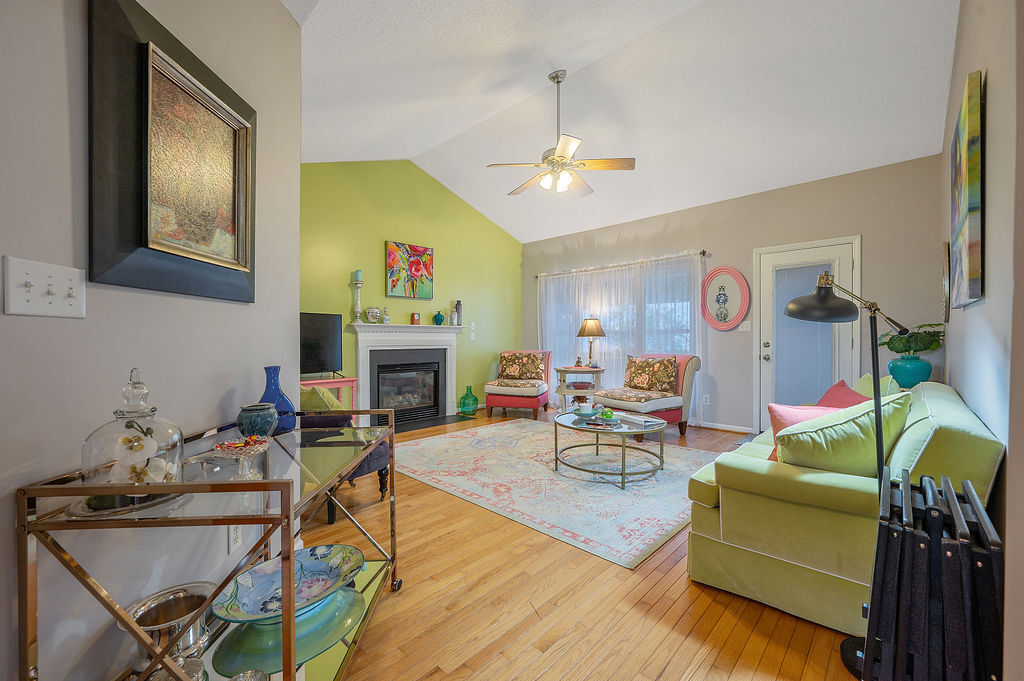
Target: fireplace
{"type": "Point", "coordinates": [410, 381]}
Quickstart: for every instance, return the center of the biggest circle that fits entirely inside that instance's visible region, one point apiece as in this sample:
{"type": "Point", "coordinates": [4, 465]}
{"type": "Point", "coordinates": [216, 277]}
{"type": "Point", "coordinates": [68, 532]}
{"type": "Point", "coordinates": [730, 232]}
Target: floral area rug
{"type": "Point", "coordinates": [508, 468]}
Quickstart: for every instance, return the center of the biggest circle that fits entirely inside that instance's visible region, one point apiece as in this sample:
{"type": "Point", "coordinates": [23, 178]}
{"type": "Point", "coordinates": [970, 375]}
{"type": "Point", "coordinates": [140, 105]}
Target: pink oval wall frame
{"type": "Point", "coordinates": [741, 313]}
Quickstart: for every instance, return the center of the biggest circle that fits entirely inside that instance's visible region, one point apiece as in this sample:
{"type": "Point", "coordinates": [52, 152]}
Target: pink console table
{"type": "Point", "coordinates": [344, 382]}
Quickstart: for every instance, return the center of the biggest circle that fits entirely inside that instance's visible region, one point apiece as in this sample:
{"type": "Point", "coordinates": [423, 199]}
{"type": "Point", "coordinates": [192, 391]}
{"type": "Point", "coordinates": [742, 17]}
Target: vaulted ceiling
{"type": "Point", "coordinates": [715, 98]}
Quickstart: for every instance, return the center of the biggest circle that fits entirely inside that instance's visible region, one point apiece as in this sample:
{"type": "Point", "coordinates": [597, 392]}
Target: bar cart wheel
{"type": "Point", "coordinates": [396, 585]}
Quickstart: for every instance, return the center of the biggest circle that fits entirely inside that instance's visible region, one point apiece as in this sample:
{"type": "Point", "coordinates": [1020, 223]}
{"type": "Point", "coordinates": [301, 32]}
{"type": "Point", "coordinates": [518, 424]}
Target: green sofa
{"type": "Point", "coordinates": [803, 539]}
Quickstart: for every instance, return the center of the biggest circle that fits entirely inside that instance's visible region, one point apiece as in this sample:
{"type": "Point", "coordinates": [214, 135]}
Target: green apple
{"type": "Point", "coordinates": [607, 413]}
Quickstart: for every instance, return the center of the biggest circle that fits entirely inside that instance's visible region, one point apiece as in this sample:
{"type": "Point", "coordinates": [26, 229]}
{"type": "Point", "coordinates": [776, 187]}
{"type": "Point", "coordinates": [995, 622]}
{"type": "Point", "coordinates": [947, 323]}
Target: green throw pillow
{"type": "Point", "coordinates": [318, 398]}
{"type": "Point", "coordinates": [888, 383]}
{"type": "Point", "coordinates": [844, 441]}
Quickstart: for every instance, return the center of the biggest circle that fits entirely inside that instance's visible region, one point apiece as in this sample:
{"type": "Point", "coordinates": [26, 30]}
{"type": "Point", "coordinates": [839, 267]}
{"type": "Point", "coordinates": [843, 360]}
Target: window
{"type": "Point", "coordinates": [644, 307]}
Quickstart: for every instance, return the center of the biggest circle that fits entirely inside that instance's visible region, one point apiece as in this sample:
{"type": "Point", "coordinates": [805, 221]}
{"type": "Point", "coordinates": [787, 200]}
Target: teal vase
{"type": "Point", "coordinates": [438, 318]}
{"type": "Point", "coordinates": [468, 402]}
{"type": "Point", "coordinates": [909, 370]}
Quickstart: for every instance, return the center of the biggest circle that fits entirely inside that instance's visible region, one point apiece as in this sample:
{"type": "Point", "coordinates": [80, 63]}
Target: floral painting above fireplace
{"type": "Point", "coordinates": [409, 271]}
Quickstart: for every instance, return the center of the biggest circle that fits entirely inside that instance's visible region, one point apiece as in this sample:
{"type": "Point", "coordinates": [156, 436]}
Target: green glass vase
{"type": "Point", "coordinates": [468, 402]}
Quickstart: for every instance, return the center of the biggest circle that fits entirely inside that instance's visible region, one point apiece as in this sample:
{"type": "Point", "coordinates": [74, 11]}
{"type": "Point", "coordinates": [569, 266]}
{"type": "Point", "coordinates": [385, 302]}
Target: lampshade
{"type": "Point", "coordinates": [591, 328]}
{"type": "Point", "coordinates": [822, 306]}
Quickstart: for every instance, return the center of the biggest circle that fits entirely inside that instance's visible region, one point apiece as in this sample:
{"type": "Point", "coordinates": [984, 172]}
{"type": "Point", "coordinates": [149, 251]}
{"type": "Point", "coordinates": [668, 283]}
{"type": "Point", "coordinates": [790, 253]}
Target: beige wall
{"type": "Point", "coordinates": [984, 337]}
{"type": "Point", "coordinates": [892, 208]}
{"type": "Point", "coordinates": [201, 358]}
{"type": "Point", "coordinates": [978, 336]}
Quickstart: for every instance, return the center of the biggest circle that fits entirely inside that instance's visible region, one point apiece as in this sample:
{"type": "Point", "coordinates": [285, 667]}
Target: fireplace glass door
{"type": "Point", "coordinates": [409, 389]}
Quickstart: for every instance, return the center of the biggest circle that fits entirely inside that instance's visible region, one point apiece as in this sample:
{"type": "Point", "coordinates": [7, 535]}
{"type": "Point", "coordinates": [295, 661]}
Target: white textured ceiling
{"type": "Point", "coordinates": [716, 99]}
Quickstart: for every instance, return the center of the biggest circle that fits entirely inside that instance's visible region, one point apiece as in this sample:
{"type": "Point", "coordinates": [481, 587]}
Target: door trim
{"type": "Point", "coordinates": [755, 303]}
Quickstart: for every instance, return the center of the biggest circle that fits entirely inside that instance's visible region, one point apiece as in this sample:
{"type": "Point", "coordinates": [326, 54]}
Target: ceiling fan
{"type": "Point", "coordinates": [559, 162]}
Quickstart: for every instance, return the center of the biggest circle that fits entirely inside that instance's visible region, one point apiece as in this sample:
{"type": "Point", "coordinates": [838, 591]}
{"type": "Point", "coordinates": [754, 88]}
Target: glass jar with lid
{"type": "Point", "coordinates": [137, 447]}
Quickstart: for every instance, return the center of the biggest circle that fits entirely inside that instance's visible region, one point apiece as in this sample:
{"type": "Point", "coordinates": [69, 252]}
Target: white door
{"type": "Point", "coordinates": [798, 360]}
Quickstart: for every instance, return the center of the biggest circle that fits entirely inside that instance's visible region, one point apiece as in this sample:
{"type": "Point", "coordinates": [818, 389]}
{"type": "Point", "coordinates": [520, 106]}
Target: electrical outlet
{"type": "Point", "coordinates": [472, 335]}
{"type": "Point", "coordinates": [707, 400]}
{"type": "Point", "coordinates": [234, 538]}
{"type": "Point", "coordinates": [472, 326]}
{"type": "Point", "coordinates": [42, 290]}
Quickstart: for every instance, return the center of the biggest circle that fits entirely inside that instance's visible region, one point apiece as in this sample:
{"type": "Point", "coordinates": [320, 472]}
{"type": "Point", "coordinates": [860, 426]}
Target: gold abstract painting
{"type": "Point", "coordinates": [197, 170]}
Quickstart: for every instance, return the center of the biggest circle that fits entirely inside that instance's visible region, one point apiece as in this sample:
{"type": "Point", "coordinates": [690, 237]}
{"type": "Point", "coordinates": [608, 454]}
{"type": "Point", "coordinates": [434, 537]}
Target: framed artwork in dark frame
{"type": "Point", "coordinates": [144, 232]}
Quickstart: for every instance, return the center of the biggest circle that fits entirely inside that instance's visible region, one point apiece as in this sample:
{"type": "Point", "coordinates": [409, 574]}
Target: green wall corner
{"type": "Point", "coordinates": [348, 211]}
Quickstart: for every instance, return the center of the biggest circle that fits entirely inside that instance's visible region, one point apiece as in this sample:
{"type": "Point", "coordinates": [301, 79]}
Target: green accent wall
{"type": "Point", "coordinates": [348, 211]}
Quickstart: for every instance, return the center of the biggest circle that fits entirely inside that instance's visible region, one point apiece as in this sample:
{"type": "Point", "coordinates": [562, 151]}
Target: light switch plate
{"type": "Point", "coordinates": [42, 290]}
{"type": "Point", "coordinates": [472, 326]}
{"type": "Point", "coordinates": [472, 335]}
{"type": "Point", "coordinates": [745, 326]}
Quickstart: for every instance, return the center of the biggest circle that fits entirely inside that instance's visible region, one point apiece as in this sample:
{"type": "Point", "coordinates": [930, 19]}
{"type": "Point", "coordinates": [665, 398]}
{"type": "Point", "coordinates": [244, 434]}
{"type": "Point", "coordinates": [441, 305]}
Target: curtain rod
{"type": "Point", "coordinates": [682, 254]}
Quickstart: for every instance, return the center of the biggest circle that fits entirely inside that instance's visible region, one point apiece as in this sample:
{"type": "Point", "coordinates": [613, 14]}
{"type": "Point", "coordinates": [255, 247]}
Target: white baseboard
{"type": "Point", "coordinates": [726, 426]}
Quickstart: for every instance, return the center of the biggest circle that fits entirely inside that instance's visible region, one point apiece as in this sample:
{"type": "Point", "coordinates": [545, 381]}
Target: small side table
{"type": "Point", "coordinates": [350, 382]}
{"type": "Point", "coordinates": [563, 388]}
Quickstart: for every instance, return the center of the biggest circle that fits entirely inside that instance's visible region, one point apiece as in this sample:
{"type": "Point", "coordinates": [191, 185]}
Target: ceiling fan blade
{"type": "Point", "coordinates": [606, 164]}
{"type": "Point", "coordinates": [526, 185]}
{"type": "Point", "coordinates": [567, 146]}
{"type": "Point", "coordinates": [578, 185]}
{"type": "Point", "coordinates": [516, 165]}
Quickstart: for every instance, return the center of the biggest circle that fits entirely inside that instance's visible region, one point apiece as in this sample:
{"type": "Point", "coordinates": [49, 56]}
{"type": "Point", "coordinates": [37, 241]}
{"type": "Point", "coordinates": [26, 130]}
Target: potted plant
{"type": "Point", "coordinates": [909, 369]}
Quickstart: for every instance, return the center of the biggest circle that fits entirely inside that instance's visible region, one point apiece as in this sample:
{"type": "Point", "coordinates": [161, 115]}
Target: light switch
{"type": "Point", "coordinates": [472, 326]}
{"type": "Point", "coordinates": [472, 335]}
{"type": "Point", "coordinates": [42, 290]}
{"type": "Point", "coordinates": [745, 326]}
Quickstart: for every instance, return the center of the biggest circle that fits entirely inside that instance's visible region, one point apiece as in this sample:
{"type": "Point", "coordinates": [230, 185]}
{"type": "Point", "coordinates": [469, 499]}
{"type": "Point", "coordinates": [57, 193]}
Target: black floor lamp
{"type": "Point", "coordinates": [825, 306]}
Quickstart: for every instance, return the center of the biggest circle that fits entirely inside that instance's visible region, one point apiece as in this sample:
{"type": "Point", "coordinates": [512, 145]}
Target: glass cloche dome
{"type": "Point", "coordinates": [137, 447]}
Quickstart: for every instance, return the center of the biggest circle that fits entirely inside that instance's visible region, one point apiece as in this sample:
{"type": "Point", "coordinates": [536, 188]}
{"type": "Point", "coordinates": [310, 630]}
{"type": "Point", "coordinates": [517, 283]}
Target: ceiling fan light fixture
{"type": "Point", "coordinates": [545, 182]}
{"type": "Point", "coordinates": [564, 180]}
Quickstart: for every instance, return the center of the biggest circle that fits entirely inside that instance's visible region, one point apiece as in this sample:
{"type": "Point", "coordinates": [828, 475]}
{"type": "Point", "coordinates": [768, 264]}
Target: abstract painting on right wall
{"type": "Point", "coordinates": [965, 244]}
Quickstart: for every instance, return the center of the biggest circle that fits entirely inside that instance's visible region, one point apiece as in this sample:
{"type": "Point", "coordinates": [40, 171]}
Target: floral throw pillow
{"type": "Point", "coordinates": [521, 365]}
{"type": "Point", "coordinates": [651, 373]}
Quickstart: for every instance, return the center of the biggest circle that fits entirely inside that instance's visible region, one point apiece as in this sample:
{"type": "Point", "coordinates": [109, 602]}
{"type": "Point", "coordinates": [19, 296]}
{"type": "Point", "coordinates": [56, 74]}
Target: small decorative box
{"type": "Point", "coordinates": [415, 318]}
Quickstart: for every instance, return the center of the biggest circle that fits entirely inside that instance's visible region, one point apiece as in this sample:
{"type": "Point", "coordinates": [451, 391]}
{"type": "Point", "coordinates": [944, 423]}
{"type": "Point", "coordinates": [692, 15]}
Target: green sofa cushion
{"type": "Point", "coordinates": [838, 491]}
{"type": "Point", "coordinates": [844, 441]}
{"type": "Point", "coordinates": [944, 437]}
{"type": "Point", "coordinates": [702, 487]}
{"type": "Point", "coordinates": [888, 384]}
{"type": "Point", "coordinates": [318, 398]}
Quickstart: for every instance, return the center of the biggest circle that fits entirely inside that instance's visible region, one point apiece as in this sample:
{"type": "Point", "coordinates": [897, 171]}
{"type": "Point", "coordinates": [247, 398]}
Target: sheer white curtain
{"type": "Point", "coordinates": [646, 306]}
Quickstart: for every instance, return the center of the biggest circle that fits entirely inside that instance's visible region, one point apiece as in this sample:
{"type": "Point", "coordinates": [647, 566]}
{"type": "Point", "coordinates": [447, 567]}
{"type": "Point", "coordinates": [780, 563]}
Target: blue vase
{"type": "Point", "coordinates": [909, 370]}
{"type": "Point", "coordinates": [275, 396]}
{"type": "Point", "coordinates": [257, 419]}
{"type": "Point", "coordinates": [438, 318]}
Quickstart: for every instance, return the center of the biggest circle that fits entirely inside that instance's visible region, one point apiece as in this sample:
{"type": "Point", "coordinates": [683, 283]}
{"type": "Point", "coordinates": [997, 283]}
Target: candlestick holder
{"type": "Point", "coordinates": [358, 309]}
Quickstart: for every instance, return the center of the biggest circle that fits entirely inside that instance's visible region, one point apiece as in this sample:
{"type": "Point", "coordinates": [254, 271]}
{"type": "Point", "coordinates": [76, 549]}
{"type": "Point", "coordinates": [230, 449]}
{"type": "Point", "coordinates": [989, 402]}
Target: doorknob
{"type": "Point", "coordinates": [766, 357]}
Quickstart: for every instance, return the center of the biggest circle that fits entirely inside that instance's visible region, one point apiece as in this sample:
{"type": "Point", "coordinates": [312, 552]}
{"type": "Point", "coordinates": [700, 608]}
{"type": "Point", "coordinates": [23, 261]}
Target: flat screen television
{"type": "Point", "coordinates": [319, 342]}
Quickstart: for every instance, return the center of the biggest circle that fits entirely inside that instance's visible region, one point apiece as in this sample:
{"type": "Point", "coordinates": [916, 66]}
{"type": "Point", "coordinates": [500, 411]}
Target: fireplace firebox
{"type": "Point", "coordinates": [412, 382]}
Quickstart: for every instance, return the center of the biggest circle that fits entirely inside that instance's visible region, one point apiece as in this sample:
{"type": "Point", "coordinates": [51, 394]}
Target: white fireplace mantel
{"type": "Point", "coordinates": [404, 337]}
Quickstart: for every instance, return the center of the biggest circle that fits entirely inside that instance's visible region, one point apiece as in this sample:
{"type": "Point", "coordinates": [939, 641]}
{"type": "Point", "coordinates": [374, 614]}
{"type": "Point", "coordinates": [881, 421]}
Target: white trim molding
{"type": "Point", "coordinates": [404, 337]}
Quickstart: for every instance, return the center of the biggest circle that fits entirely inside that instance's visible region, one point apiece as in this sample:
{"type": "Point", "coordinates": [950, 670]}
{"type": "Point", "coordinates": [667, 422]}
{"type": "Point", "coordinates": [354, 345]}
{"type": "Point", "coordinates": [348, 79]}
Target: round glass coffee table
{"type": "Point", "coordinates": [621, 429]}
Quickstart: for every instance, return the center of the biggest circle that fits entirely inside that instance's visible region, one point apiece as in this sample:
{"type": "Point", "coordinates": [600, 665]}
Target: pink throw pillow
{"type": "Point", "coordinates": [783, 416]}
{"type": "Point", "coordinates": [841, 396]}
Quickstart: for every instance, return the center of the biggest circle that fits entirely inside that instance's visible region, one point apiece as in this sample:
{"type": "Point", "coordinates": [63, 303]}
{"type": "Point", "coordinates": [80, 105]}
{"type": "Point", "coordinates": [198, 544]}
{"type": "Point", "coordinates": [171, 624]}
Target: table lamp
{"type": "Point", "coordinates": [591, 329]}
{"type": "Point", "coordinates": [823, 305]}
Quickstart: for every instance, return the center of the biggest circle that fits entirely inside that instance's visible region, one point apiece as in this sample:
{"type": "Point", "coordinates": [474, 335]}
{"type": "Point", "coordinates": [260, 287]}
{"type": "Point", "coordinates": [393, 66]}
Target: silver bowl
{"type": "Point", "coordinates": [163, 614]}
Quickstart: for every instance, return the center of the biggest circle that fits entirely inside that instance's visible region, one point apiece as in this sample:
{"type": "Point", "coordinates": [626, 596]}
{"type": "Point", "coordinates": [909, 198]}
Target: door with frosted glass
{"type": "Point", "coordinates": [800, 360]}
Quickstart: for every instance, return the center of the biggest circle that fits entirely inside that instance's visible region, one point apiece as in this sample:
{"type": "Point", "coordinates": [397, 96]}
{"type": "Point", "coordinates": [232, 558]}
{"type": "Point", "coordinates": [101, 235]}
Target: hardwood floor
{"type": "Point", "coordinates": [487, 598]}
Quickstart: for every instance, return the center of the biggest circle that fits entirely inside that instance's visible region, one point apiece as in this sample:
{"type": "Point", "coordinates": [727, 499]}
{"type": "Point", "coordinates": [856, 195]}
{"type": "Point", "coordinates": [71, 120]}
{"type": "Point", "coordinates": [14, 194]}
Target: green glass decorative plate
{"type": "Point", "coordinates": [258, 646]}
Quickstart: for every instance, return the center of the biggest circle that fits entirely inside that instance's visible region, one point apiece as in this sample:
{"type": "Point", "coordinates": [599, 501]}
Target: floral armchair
{"type": "Point", "coordinates": [655, 387]}
{"type": "Point", "coordinates": [522, 382]}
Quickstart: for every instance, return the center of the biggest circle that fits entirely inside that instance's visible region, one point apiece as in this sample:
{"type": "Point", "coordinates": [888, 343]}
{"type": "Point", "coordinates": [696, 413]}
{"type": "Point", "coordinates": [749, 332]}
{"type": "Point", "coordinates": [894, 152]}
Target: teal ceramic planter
{"type": "Point", "coordinates": [909, 370]}
{"type": "Point", "coordinates": [468, 403]}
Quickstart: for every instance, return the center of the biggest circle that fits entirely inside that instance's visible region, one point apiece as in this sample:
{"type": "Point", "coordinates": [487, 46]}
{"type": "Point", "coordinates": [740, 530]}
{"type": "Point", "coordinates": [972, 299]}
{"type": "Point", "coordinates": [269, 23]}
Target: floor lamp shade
{"type": "Point", "coordinates": [822, 306]}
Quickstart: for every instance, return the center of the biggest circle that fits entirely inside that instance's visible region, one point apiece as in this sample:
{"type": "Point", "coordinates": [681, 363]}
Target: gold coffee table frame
{"type": "Point", "coordinates": [622, 429]}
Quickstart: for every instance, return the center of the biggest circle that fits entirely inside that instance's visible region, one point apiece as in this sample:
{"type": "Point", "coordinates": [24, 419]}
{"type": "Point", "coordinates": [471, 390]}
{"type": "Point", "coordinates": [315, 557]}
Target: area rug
{"type": "Point", "coordinates": [508, 468]}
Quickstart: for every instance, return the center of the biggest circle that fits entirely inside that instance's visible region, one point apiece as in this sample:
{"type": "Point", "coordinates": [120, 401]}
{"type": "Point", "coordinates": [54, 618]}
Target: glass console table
{"type": "Point", "coordinates": [295, 475]}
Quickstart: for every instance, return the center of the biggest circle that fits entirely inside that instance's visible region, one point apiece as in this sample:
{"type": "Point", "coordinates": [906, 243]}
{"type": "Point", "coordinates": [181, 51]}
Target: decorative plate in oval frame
{"type": "Point", "coordinates": [255, 595]}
